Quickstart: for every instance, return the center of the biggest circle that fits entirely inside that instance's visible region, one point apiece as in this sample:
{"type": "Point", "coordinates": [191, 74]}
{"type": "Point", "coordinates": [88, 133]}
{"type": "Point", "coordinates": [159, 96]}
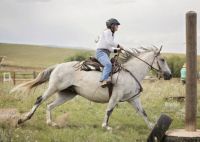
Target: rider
{"type": "Point", "coordinates": [105, 46]}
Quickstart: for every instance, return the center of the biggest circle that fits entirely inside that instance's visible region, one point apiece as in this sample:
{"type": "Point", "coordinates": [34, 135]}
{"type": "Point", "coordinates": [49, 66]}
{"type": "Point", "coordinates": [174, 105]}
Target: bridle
{"type": "Point", "coordinates": [153, 68]}
{"type": "Point", "coordinates": [150, 65]}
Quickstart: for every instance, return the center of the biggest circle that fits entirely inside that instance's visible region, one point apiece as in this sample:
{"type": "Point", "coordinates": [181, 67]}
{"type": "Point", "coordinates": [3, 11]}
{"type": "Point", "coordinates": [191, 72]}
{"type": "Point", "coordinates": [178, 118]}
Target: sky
{"type": "Point", "coordinates": [77, 23]}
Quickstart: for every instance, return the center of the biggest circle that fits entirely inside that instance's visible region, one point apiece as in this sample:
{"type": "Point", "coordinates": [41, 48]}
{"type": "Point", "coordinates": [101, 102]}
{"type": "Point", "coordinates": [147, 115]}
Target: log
{"type": "Point", "coordinates": [158, 132]}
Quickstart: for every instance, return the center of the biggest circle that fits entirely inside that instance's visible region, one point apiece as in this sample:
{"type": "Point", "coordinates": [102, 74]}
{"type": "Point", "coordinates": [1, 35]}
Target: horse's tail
{"type": "Point", "coordinates": [40, 79]}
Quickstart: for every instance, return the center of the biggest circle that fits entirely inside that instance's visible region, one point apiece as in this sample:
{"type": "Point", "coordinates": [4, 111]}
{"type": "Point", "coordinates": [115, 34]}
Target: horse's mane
{"type": "Point", "coordinates": [135, 52]}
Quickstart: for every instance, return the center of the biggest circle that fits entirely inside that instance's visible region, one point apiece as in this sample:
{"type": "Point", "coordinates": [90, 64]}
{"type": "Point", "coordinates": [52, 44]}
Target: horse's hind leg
{"type": "Point", "coordinates": [136, 103]}
{"type": "Point", "coordinates": [63, 96]}
{"type": "Point", "coordinates": [49, 92]}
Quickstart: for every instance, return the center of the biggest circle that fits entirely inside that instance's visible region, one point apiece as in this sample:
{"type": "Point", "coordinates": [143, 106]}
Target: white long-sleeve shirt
{"type": "Point", "coordinates": [106, 41]}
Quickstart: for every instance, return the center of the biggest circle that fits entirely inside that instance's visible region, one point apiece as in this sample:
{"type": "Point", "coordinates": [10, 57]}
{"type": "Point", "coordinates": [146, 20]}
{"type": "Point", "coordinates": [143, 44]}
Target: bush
{"type": "Point", "coordinates": [175, 63]}
{"type": "Point", "coordinates": [80, 56]}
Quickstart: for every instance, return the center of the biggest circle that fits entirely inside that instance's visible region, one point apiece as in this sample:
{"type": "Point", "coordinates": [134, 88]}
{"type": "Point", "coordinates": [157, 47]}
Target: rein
{"type": "Point", "coordinates": [141, 89]}
{"type": "Point", "coordinates": [150, 65]}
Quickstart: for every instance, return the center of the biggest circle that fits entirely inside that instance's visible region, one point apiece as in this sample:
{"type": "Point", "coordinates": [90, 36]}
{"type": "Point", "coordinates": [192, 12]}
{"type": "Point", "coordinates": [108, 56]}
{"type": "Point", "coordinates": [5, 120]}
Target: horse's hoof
{"type": "Point", "coordinates": [151, 126]}
{"type": "Point", "coordinates": [19, 121]}
{"type": "Point", "coordinates": [53, 124]}
{"type": "Point", "coordinates": [105, 126]}
{"type": "Point", "coordinates": [109, 128]}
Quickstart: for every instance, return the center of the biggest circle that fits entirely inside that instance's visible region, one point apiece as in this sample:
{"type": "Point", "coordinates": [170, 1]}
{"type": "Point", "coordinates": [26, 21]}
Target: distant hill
{"type": "Point", "coordinates": [44, 56]}
{"type": "Point", "coordinates": [34, 55]}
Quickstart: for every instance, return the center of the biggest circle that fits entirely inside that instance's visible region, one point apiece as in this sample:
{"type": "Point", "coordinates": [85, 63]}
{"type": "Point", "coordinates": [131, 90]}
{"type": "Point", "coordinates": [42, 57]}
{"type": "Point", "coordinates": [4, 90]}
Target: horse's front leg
{"type": "Point", "coordinates": [111, 105]}
{"type": "Point", "coordinates": [136, 103]}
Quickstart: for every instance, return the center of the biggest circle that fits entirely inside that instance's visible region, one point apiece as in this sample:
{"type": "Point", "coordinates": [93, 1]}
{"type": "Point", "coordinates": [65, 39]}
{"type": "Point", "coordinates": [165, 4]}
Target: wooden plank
{"type": "Point", "coordinates": [175, 98]}
{"type": "Point", "coordinates": [23, 79]}
{"type": "Point", "coordinates": [181, 135]}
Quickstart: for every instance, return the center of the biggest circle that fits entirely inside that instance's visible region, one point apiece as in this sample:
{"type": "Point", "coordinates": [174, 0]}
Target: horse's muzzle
{"type": "Point", "coordinates": [167, 75]}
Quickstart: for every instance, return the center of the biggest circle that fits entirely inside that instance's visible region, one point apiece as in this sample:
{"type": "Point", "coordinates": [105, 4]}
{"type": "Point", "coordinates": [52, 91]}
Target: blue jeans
{"type": "Point", "coordinates": [104, 59]}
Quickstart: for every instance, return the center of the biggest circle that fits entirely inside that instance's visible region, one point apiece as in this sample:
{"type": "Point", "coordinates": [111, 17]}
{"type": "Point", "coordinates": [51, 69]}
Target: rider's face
{"type": "Point", "coordinates": [116, 27]}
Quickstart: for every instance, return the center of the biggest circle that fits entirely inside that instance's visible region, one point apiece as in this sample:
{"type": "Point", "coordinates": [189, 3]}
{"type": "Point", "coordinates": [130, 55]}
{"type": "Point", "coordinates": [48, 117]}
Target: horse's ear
{"type": "Point", "coordinates": [160, 50]}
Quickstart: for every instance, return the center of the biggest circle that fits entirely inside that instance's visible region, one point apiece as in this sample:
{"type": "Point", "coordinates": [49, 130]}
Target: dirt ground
{"type": "Point", "coordinates": [9, 116]}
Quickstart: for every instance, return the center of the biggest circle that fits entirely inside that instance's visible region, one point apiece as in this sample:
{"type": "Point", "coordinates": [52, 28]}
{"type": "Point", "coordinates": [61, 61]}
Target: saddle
{"type": "Point", "coordinates": [92, 64]}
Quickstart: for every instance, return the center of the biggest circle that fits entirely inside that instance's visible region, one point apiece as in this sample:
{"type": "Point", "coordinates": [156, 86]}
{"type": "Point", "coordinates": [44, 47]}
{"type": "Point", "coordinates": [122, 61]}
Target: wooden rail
{"type": "Point", "coordinates": [8, 68]}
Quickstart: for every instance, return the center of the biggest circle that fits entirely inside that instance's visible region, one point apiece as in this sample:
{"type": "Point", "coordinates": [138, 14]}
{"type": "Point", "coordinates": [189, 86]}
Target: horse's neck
{"type": "Point", "coordinates": [139, 68]}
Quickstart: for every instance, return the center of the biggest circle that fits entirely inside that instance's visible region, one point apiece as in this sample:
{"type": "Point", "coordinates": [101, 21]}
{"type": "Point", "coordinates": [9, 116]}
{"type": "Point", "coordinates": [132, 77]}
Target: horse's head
{"type": "Point", "coordinates": [151, 57]}
{"type": "Point", "coordinates": [160, 64]}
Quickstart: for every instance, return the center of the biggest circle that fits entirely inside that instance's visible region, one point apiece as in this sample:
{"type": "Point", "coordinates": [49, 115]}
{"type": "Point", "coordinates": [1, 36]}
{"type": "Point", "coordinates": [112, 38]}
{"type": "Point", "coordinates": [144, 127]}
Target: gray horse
{"type": "Point", "coordinates": [68, 82]}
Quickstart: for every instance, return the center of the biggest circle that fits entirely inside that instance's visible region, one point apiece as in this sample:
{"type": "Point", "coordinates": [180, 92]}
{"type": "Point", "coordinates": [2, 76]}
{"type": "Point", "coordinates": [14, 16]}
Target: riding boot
{"type": "Point", "coordinates": [105, 83]}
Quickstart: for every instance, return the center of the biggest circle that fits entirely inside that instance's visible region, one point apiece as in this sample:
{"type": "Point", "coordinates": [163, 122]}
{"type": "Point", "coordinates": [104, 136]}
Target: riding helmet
{"type": "Point", "coordinates": [111, 22]}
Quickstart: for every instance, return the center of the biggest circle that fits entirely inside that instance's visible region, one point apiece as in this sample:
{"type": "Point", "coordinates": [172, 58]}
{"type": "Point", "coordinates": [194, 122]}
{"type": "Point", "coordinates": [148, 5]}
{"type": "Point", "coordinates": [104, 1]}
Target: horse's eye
{"type": "Point", "coordinates": [162, 59]}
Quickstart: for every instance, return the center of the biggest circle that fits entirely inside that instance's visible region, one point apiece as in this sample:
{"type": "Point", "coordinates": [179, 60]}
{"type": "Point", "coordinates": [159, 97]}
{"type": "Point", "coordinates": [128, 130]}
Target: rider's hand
{"type": "Point", "coordinates": [120, 47]}
{"type": "Point", "coordinates": [117, 50]}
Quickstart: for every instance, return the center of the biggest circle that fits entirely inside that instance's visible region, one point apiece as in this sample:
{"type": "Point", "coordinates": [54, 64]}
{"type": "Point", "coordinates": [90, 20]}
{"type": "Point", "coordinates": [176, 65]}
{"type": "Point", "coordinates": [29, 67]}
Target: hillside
{"type": "Point", "coordinates": [34, 55]}
{"type": "Point", "coordinates": [43, 56]}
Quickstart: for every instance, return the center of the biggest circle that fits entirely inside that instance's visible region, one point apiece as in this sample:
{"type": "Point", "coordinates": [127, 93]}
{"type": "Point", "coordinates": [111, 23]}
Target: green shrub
{"type": "Point", "coordinates": [175, 63]}
{"type": "Point", "coordinates": [80, 56]}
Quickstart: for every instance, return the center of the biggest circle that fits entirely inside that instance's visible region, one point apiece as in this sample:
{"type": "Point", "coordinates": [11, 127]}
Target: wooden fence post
{"type": "Point", "coordinates": [191, 71]}
{"type": "Point", "coordinates": [14, 81]}
{"type": "Point", "coordinates": [34, 74]}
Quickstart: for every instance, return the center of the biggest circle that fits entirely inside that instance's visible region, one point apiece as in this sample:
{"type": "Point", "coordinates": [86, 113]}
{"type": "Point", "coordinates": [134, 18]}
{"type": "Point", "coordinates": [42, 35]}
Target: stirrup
{"type": "Point", "coordinates": [106, 84]}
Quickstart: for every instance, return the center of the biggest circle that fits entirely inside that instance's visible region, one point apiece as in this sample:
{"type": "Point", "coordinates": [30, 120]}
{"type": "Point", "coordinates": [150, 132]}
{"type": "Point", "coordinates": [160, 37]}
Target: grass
{"type": "Point", "coordinates": [85, 118]}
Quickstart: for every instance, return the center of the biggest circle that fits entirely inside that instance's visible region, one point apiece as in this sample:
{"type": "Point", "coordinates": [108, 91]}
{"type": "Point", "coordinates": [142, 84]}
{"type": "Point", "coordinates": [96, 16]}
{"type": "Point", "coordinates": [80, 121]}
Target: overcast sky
{"type": "Point", "coordinates": [77, 23]}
